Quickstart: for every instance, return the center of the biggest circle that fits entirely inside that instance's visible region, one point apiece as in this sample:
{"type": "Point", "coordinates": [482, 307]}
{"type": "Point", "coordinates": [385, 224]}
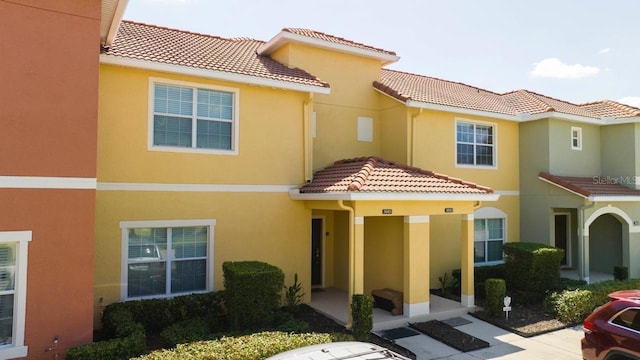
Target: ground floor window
{"type": "Point", "coordinates": [13, 292]}
{"type": "Point", "coordinates": [488, 240]}
{"type": "Point", "coordinates": [167, 258]}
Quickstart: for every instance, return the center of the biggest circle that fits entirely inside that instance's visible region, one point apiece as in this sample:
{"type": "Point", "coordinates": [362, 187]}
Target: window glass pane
{"type": "Point", "coordinates": [172, 131]}
{"type": "Point", "coordinates": [465, 154]}
{"type": "Point", "coordinates": [189, 242]}
{"type": "Point", "coordinates": [484, 134]}
{"type": "Point", "coordinates": [464, 132]}
{"type": "Point", "coordinates": [147, 244]}
{"type": "Point", "coordinates": [7, 266]}
{"type": "Point", "coordinates": [484, 155]}
{"type": "Point", "coordinates": [173, 100]}
{"type": "Point", "coordinates": [214, 134]}
{"type": "Point", "coordinates": [478, 251]}
{"type": "Point", "coordinates": [215, 104]}
{"type": "Point", "coordinates": [495, 229]}
{"type": "Point", "coordinates": [6, 319]}
{"type": "Point", "coordinates": [494, 250]}
{"type": "Point", "coordinates": [188, 275]}
{"type": "Point", "coordinates": [146, 279]}
{"type": "Point", "coordinates": [479, 230]}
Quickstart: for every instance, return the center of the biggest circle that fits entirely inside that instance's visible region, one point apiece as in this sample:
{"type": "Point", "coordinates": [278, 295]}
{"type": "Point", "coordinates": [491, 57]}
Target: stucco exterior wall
{"type": "Point", "coordinates": [351, 79]}
{"type": "Point", "coordinates": [620, 153]}
{"type": "Point", "coordinates": [383, 256]}
{"type": "Point", "coordinates": [48, 108]}
{"type": "Point", "coordinates": [563, 159]}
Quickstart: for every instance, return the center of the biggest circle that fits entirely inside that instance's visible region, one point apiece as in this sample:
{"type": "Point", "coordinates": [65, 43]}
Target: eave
{"type": "Point", "coordinates": [210, 74]}
{"type": "Point", "coordinates": [380, 196]}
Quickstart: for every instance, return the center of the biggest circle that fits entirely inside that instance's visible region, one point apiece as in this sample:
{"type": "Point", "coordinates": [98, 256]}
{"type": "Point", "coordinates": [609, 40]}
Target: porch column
{"type": "Point", "coordinates": [416, 265]}
{"type": "Point", "coordinates": [583, 249]}
{"type": "Point", "coordinates": [358, 256]}
{"type": "Point", "coordinates": [466, 261]}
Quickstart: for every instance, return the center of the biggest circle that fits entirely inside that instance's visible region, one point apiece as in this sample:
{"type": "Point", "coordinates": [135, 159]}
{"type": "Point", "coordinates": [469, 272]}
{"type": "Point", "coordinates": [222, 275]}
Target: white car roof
{"type": "Point", "coordinates": [346, 350]}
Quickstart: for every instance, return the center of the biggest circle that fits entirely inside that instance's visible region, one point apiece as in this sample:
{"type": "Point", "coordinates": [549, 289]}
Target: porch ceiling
{"type": "Point", "coordinates": [373, 178]}
{"type": "Point", "coordinates": [595, 188]}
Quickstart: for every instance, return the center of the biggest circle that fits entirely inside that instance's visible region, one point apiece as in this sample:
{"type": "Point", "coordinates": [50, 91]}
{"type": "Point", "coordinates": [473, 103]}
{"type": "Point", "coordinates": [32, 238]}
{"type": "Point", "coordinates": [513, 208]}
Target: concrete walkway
{"type": "Point", "coordinates": [558, 345]}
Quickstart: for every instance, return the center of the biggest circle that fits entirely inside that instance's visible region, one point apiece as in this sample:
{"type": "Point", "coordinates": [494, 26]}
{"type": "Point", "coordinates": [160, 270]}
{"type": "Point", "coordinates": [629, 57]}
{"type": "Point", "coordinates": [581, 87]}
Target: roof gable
{"type": "Point", "coordinates": [593, 188]}
{"type": "Point", "coordinates": [160, 45]}
{"type": "Point", "coordinates": [376, 175]}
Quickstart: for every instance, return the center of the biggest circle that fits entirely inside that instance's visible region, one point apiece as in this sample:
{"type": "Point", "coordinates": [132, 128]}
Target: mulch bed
{"type": "Point", "coordinates": [449, 335]}
{"type": "Point", "coordinates": [525, 321]}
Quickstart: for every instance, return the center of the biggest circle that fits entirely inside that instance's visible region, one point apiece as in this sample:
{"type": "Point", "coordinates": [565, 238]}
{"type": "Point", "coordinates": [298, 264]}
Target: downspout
{"type": "Point", "coordinates": [413, 136]}
{"type": "Point", "coordinates": [583, 252]}
{"type": "Point", "coordinates": [352, 255]}
{"type": "Point", "coordinates": [306, 131]}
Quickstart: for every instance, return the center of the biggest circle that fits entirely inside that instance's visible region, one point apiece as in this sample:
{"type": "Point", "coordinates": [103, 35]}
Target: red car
{"type": "Point", "coordinates": [612, 331]}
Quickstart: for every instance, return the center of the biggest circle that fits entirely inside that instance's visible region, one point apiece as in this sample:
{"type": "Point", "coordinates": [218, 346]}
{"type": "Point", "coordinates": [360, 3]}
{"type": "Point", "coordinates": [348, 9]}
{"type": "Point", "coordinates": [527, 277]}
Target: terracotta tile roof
{"type": "Point", "coordinates": [376, 175]}
{"type": "Point", "coordinates": [334, 39]}
{"type": "Point", "coordinates": [411, 87]}
{"type": "Point", "coordinates": [176, 47]}
{"type": "Point", "coordinates": [591, 186]}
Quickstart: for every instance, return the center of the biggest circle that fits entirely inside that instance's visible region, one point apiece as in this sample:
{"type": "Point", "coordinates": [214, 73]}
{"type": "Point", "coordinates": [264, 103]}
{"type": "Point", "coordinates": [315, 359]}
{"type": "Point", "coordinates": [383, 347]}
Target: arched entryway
{"type": "Point", "coordinates": [605, 244]}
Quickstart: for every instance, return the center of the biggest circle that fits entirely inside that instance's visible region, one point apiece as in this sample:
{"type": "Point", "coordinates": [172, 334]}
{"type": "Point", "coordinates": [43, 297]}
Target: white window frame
{"type": "Point", "coordinates": [21, 239]}
{"type": "Point", "coordinates": [576, 138]}
{"type": "Point", "coordinates": [365, 129]}
{"type": "Point", "coordinates": [235, 127]}
{"type": "Point", "coordinates": [125, 226]}
{"type": "Point", "coordinates": [494, 146]}
{"type": "Point", "coordinates": [487, 213]}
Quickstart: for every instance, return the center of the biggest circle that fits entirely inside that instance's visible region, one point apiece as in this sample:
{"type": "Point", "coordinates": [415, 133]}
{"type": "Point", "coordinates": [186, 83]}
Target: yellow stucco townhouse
{"type": "Point", "coordinates": [304, 152]}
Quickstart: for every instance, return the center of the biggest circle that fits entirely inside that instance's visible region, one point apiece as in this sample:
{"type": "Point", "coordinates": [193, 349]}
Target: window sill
{"type": "Point", "coordinates": [480, 167]}
{"type": "Point", "coordinates": [488, 263]}
{"type": "Point", "coordinates": [12, 352]}
{"type": "Point", "coordinates": [187, 150]}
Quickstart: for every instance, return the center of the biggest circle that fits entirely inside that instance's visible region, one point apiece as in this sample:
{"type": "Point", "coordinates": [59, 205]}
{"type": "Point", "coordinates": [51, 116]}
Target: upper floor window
{"type": "Point", "coordinates": [576, 138]}
{"type": "Point", "coordinates": [193, 117]}
{"type": "Point", "coordinates": [475, 144]}
{"type": "Point", "coordinates": [167, 258]}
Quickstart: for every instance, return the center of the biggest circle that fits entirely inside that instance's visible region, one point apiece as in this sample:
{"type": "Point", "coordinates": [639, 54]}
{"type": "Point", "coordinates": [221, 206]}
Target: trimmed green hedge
{"type": "Point", "coordinates": [362, 313]}
{"type": "Point", "coordinates": [532, 267]}
{"type": "Point", "coordinates": [252, 293]}
{"type": "Point", "coordinates": [129, 341]}
{"type": "Point", "coordinates": [496, 290]}
{"type": "Point", "coordinates": [574, 305]}
{"type": "Point", "coordinates": [249, 347]}
{"type": "Point", "coordinates": [480, 275]}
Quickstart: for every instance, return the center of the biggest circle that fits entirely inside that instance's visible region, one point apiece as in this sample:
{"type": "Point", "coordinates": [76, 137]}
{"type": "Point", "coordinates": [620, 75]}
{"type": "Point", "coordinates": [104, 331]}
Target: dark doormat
{"type": "Point", "coordinates": [456, 321]}
{"type": "Point", "coordinates": [398, 333]}
{"type": "Point", "coordinates": [449, 335]}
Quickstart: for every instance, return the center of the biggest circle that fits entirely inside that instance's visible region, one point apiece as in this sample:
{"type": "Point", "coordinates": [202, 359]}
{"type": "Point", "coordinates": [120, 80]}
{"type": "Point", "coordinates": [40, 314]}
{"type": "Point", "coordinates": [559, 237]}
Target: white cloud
{"type": "Point", "coordinates": [604, 51]}
{"type": "Point", "coordinates": [631, 100]}
{"type": "Point", "coordinates": [555, 68]}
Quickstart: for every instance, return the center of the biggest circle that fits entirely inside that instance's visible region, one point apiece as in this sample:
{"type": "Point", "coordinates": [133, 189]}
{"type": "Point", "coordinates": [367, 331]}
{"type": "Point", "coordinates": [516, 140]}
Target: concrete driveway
{"type": "Point", "coordinates": [558, 345]}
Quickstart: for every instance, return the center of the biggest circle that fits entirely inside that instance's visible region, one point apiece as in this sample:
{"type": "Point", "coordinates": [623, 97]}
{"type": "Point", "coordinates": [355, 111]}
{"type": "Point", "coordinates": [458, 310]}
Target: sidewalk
{"type": "Point", "coordinates": [558, 345]}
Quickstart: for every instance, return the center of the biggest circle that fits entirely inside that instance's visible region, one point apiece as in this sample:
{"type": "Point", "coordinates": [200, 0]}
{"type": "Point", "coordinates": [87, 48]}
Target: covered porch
{"type": "Point", "coordinates": [334, 303]}
{"type": "Point", "coordinates": [373, 230]}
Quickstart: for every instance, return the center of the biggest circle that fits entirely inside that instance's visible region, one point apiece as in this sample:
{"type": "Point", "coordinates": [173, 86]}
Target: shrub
{"type": "Point", "coordinates": [570, 306]}
{"type": "Point", "coordinates": [252, 293]}
{"type": "Point", "coordinates": [482, 273]}
{"type": "Point", "coordinates": [448, 284]}
{"type": "Point", "coordinates": [620, 273]}
{"type": "Point", "coordinates": [496, 290]}
{"type": "Point", "coordinates": [130, 339]}
{"type": "Point", "coordinates": [532, 267]}
{"type": "Point", "coordinates": [362, 314]}
{"type": "Point", "coordinates": [602, 289]}
{"type": "Point", "coordinates": [294, 295]}
{"type": "Point", "coordinates": [285, 322]}
{"type": "Point", "coordinates": [249, 347]}
{"type": "Point", "coordinates": [185, 331]}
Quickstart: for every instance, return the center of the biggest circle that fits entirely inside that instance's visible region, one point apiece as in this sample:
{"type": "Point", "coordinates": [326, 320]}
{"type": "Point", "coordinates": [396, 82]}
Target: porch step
{"type": "Point", "coordinates": [389, 322]}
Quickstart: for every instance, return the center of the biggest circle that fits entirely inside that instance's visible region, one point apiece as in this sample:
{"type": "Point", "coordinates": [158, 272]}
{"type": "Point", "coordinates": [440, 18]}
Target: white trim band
{"type": "Point", "coordinates": [416, 219]}
{"type": "Point", "coordinates": [418, 309]}
{"type": "Point", "coordinates": [109, 186]}
{"type": "Point", "coordinates": [46, 182]}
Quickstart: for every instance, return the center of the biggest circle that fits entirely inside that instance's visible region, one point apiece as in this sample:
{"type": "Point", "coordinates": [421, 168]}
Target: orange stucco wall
{"type": "Point", "coordinates": [49, 58]}
{"type": "Point", "coordinates": [60, 263]}
{"type": "Point", "coordinates": [49, 91]}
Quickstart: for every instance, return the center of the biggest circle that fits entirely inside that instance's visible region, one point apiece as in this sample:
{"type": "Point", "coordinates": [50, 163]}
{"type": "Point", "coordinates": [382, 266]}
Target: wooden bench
{"type": "Point", "coordinates": [388, 299]}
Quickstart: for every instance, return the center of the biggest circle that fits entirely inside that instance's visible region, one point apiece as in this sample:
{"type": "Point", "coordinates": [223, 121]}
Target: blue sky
{"type": "Point", "coordinates": [579, 51]}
